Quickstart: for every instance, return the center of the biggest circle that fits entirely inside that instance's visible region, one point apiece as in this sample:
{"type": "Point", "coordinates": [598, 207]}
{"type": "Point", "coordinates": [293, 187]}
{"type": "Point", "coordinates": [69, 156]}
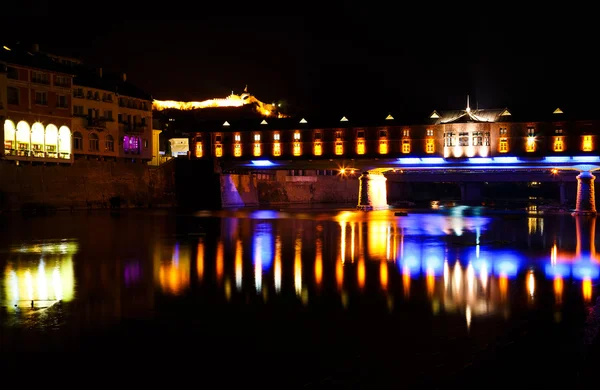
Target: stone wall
{"type": "Point", "coordinates": [85, 184]}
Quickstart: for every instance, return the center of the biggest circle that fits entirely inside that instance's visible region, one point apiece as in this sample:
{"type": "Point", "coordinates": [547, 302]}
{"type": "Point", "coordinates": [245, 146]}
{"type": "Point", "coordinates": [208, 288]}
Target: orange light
{"type": "Point", "coordinates": [383, 274]}
{"type": "Point", "coordinates": [558, 289]}
{"type": "Point", "coordinates": [339, 148]}
{"type": "Point", "coordinates": [554, 171]}
{"type": "Point", "coordinates": [586, 286]}
{"type": "Point", "coordinates": [383, 147]}
{"type": "Point", "coordinates": [199, 149]}
{"type": "Point", "coordinates": [257, 149]}
{"type": "Point", "coordinates": [237, 150]}
{"type": "Point", "coordinates": [218, 150]}
{"type": "Point", "coordinates": [587, 143]}
{"type": "Point", "coordinates": [430, 146]}
{"type": "Point", "coordinates": [318, 149]}
{"type": "Point", "coordinates": [276, 149]}
{"type": "Point", "coordinates": [297, 148]}
{"type": "Point", "coordinates": [530, 146]}
{"type": "Point", "coordinates": [361, 274]}
{"type": "Point", "coordinates": [360, 147]}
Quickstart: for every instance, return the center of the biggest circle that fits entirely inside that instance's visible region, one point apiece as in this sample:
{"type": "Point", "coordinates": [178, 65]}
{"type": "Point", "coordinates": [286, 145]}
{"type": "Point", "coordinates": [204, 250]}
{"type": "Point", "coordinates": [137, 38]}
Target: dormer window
{"type": "Point", "coordinates": [360, 134]}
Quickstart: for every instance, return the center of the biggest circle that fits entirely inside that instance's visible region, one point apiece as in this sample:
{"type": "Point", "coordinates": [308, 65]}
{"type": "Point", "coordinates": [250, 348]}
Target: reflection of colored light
{"type": "Point", "coordinates": [406, 281]}
{"type": "Point", "coordinates": [132, 273]}
{"type": "Point", "coordinates": [531, 283]}
{"type": "Point", "coordinates": [319, 262]}
{"type": "Point", "coordinates": [200, 260]}
{"type": "Point", "coordinates": [298, 266]}
{"type": "Point", "coordinates": [263, 245]}
{"type": "Point", "coordinates": [361, 273]}
{"type": "Point", "coordinates": [434, 255]}
{"type": "Point", "coordinates": [277, 270]}
{"type": "Point", "coordinates": [503, 286]}
{"type": "Point", "coordinates": [264, 214]}
{"type": "Point", "coordinates": [339, 274]}
{"type": "Point", "coordinates": [409, 261]}
{"type": "Point", "coordinates": [506, 264]}
{"type": "Point", "coordinates": [586, 286]}
{"type": "Point", "coordinates": [558, 288]}
{"type": "Point", "coordinates": [560, 270]}
{"type": "Point", "coordinates": [220, 261]}
{"type": "Point", "coordinates": [383, 275]}
{"type": "Point", "coordinates": [585, 269]}
{"type": "Point", "coordinates": [50, 283]}
{"type": "Point", "coordinates": [430, 281]}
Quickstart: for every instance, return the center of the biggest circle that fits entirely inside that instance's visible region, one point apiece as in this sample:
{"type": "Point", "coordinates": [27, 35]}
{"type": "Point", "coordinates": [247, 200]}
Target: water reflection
{"type": "Point", "coordinates": [39, 274]}
{"type": "Point", "coordinates": [172, 267]}
{"type": "Point", "coordinates": [468, 265]}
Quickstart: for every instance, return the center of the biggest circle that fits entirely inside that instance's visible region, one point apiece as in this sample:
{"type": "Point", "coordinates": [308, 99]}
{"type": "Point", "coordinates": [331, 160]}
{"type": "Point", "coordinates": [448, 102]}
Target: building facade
{"type": "Point", "coordinates": [456, 134]}
{"type": "Point", "coordinates": [55, 109]}
{"type": "Point", "coordinates": [37, 104]}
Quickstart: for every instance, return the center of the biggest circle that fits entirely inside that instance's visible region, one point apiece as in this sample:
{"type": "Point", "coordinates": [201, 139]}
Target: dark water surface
{"type": "Point", "coordinates": [298, 298]}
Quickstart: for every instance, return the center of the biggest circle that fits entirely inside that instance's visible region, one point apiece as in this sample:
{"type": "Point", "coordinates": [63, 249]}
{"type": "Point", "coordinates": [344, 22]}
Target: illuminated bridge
{"type": "Point", "coordinates": [469, 146]}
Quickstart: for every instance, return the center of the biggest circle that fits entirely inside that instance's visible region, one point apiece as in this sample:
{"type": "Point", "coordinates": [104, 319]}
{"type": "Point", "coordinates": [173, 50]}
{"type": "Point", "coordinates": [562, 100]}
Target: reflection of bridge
{"type": "Point", "coordinates": [413, 255]}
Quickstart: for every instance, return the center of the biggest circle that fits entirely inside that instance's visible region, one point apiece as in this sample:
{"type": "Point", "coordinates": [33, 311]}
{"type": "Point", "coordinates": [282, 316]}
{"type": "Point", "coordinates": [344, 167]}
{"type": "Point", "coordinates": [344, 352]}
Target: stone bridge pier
{"type": "Point", "coordinates": [586, 196]}
{"type": "Point", "coordinates": [372, 191]}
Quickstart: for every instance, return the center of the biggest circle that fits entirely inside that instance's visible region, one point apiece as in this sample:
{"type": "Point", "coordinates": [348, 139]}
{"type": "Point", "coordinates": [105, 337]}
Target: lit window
{"type": "Point", "coordinates": [587, 143]}
{"type": "Point", "coordinates": [360, 147]}
{"type": "Point", "coordinates": [297, 135]}
{"type": "Point", "coordinates": [257, 149]}
{"type": "Point", "coordinates": [219, 150]}
{"type": "Point", "coordinates": [503, 131]}
{"type": "Point", "coordinates": [406, 133]}
{"type": "Point", "coordinates": [430, 146]}
{"type": "Point", "coordinates": [237, 150]}
{"type": "Point", "coordinates": [237, 138]}
{"type": "Point", "coordinates": [503, 148]}
{"type": "Point", "coordinates": [256, 137]}
{"type": "Point", "coordinates": [339, 148]}
{"type": "Point", "coordinates": [198, 149]}
{"type": "Point", "coordinates": [530, 146]}
{"type": "Point", "coordinates": [406, 146]}
{"type": "Point", "coordinates": [276, 136]}
{"type": "Point", "coordinates": [429, 133]}
{"type": "Point", "coordinates": [383, 147]}
{"type": "Point", "coordinates": [297, 147]}
{"type": "Point", "coordinates": [530, 132]}
{"type": "Point", "coordinates": [558, 144]}
{"type": "Point", "coordinates": [277, 149]}
{"type": "Point", "coordinates": [338, 135]}
{"type": "Point", "coordinates": [558, 130]}
{"type": "Point", "coordinates": [318, 149]}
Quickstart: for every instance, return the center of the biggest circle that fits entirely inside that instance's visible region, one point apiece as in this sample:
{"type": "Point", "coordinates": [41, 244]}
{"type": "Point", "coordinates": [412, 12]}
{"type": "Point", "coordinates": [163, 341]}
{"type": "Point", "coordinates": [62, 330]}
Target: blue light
{"type": "Point", "coordinates": [264, 214]}
{"type": "Point", "coordinates": [433, 160]}
{"type": "Point", "coordinates": [585, 270]}
{"type": "Point", "coordinates": [480, 160]}
{"type": "Point", "coordinates": [561, 270]}
{"type": "Point", "coordinates": [409, 160]}
{"type": "Point", "coordinates": [505, 160]}
{"type": "Point", "coordinates": [556, 159]}
{"type": "Point", "coordinates": [410, 258]}
{"type": "Point", "coordinates": [262, 163]}
{"type": "Point", "coordinates": [434, 259]}
{"type": "Point", "coordinates": [506, 263]}
{"type": "Point", "coordinates": [586, 158]}
{"type": "Point", "coordinates": [262, 245]}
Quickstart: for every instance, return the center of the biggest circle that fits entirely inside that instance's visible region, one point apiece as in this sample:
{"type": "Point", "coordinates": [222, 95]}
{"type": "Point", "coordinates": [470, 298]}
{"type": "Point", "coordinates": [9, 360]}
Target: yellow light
{"type": "Point", "coordinates": [430, 146]}
{"type": "Point", "coordinates": [319, 262]}
{"type": "Point", "coordinates": [339, 274]}
{"type": "Point", "coordinates": [218, 150]}
{"type": "Point", "coordinates": [587, 143]}
{"type": "Point", "coordinates": [558, 144]}
{"type": "Point", "coordinates": [200, 260]}
{"type": "Point", "coordinates": [220, 261]}
{"type": "Point", "coordinates": [361, 274]}
{"type": "Point", "coordinates": [586, 286]}
{"type": "Point", "coordinates": [430, 281]}
{"type": "Point", "coordinates": [318, 149]}
{"type": "Point", "coordinates": [503, 148]}
{"type": "Point", "coordinates": [530, 146]}
{"type": "Point", "coordinates": [383, 147]}
{"type": "Point", "coordinates": [558, 289]}
{"type": "Point", "coordinates": [360, 147]}
{"type": "Point", "coordinates": [342, 171]}
{"type": "Point", "coordinates": [531, 283]}
{"type": "Point", "coordinates": [554, 171]}
{"type": "Point", "coordinates": [503, 286]}
{"type": "Point", "coordinates": [239, 253]}
{"type": "Point", "coordinates": [277, 149]}
{"type": "Point", "coordinates": [6, 48]}
{"type": "Point", "coordinates": [383, 275]}
{"type": "Point", "coordinates": [257, 149]}
{"type": "Point", "coordinates": [406, 282]}
{"type": "Point", "coordinates": [339, 148]}
{"type": "Point", "coordinates": [298, 266]}
{"type": "Point", "coordinates": [237, 150]}
{"type": "Point", "coordinates": [198, 149]}
{"type": "Point", "coordinates": [405, 147]}
{"type": "Point", "coordinates": [297, 148]}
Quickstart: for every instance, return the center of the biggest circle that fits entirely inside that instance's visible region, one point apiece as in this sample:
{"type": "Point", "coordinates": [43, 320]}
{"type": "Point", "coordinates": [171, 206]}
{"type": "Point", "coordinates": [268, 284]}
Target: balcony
{"type": "Point", "coordinates": [134, 127]}
{"type": "Point", "coordinates": [96, 123]}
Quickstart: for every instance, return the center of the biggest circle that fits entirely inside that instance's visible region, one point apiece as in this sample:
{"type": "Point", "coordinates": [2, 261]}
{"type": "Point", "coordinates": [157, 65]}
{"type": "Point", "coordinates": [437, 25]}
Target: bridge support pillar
{"type": "Point", "coordinates": [586, 197]}
{"type": "Point", "coordinates": [372, 192]}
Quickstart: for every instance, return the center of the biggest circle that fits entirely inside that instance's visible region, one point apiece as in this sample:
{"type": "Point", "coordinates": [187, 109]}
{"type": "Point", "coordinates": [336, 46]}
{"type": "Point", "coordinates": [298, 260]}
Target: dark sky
{"type": "Point", "coordinates": [330, 56]}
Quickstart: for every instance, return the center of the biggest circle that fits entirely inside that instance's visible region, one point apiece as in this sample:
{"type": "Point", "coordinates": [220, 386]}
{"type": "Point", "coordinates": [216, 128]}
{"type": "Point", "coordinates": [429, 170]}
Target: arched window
{"type": "Point", "coordinates": [94, 142]}
{"type": "Point", "coordinates": [23, 139]}
{"type": "Point", "coordinates": [37, 139]}
{"type": "Point", "coordinates": [109, 143]}
{"type": "Point", "coordinates": [51, 141]}
{"type": "Point", "coordinates": [77, 141]}
{"type": "Point", "coordinates": [9, 137]}
{"type": "Point", "coordinates": [64, 142]}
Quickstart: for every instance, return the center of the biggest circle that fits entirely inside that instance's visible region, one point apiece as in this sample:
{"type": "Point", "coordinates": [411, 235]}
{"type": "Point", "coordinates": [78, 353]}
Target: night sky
{"type": "Point", "coordinates": [331, 56]}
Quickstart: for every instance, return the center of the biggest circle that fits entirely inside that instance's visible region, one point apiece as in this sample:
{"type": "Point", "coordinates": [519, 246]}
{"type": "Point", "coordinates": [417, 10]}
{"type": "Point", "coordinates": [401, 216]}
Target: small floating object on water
{"type": "Point", "coordinates": [401, 213]}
